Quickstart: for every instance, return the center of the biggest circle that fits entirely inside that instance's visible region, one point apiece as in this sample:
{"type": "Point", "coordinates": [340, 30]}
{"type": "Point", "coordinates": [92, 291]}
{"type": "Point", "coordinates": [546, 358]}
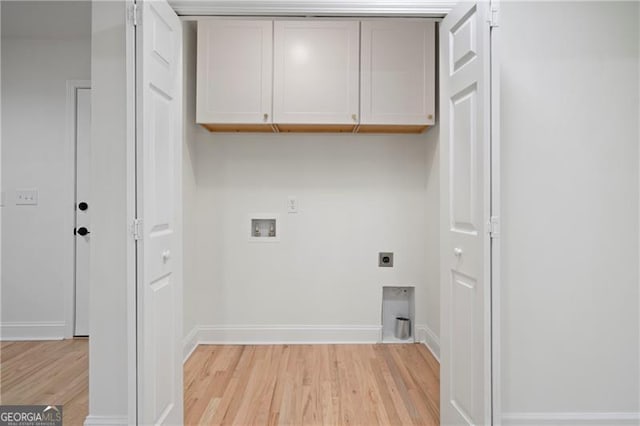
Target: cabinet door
{"type": "Point", "coordinates": [234, 80]}
{"type": "Point", "coordinates": [398, 73]}
{"type": "Point", "coordinates": [316, 72]}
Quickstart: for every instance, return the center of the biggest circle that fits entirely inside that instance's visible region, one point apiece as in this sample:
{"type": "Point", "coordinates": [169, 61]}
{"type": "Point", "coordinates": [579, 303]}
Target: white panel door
{"type": "Point", "coordinates": [83, 213]}
{"type": "Point", "coordinates": [398, 67]}
{"type": "Point", "coordinates": [158, 171]}
{"type": "Point", "coordinates": [316, 66]}
{"type": "Point", "coordinates": [465, 196]}
{"type": "Point", "coordinates": [235, 66]}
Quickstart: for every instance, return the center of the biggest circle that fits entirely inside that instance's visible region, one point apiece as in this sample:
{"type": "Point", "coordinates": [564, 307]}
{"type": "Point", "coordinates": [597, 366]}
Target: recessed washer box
{"type": "Point", "coordinates": [397, 302]}
{"type": "Point", "coordinates": [264, 227]}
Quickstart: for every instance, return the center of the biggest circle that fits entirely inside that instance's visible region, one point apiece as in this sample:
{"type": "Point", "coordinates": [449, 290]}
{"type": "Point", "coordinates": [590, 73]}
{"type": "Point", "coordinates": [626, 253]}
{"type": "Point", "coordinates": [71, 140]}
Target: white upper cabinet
{"type": "Point", "coordinates": [397, 74]}
{"type": "Point", "coordinates": [234, 76]}
{"type": "Point", "coordinates": [316, 74]}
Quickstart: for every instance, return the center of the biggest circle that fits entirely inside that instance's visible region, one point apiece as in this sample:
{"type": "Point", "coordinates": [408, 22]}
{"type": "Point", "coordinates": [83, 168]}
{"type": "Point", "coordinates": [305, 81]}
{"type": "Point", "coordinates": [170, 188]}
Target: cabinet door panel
{"type": "Point", "coordinates": [316, 72]}
{"type": "Point", "coordinates": [398, 72]}
{"type": "Point", "coordinates": [235, 60]}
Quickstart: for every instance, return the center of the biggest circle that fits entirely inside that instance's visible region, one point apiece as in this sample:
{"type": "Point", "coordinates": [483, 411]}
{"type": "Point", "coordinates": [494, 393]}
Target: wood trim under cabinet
{"type": "Point", "coordinates": [315, 128]}
{"type": "Point", "coordinates": [392, 128]}
{"type": "Point", "coordinates": [233, 127]}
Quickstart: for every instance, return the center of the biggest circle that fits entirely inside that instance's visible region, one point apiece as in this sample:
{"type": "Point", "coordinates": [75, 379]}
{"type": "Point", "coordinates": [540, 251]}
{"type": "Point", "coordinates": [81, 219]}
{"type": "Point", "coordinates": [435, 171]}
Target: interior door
{"type": "Point", "coordinates": [83, 199]}
{"type": "Point", "coordinates": [158, 175]}
{"type": "Point", "coordinates": [465, 239]}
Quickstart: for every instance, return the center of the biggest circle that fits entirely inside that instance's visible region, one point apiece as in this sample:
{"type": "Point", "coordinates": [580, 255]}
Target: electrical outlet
{"type": "Point", "coordinates": [26, 197]}
{"type": "Point", "coordinates": [292, 205]}
{"type": "Point", "coordinates": [385, 260]}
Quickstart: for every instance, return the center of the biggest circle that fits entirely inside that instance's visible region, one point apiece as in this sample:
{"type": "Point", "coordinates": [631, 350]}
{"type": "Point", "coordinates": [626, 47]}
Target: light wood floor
{"type": "Point", "coordinates": [312, 385]}
{"type": "Point", "coordinates": [251, 385]}
{"type": "Point", "coordinates": [53, 372]}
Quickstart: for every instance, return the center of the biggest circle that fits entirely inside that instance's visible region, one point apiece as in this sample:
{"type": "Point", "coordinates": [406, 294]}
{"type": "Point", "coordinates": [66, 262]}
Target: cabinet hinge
{"type": "Point", "coordinates": [136, 229]}
{"type": "Point", "coordinates": [494, 227]}
{"type": "Point", "coordinates": [494, 15]}
{"type": "Point", "coordinates": [134, 15]}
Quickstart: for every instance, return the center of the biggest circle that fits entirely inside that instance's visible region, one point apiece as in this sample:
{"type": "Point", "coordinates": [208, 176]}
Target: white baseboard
{"type": "Point", "coordinates": [288, 334]}
{"type": "Point", "coordinates": [190, 343]}
{"type": "Point", "coordinates": [572, 419]}
{"type": "Point", "coordinates": [279, 334]}
{"type": "Point", "coordinates": [106, 420]}
{"type": "Point", "coordinates": [50, 330]}
{"type": "Point", "coordinates": [430, 339]}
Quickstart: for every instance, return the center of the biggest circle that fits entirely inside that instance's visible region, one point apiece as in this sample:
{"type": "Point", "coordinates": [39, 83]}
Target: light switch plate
{"type": "Point", "coordinates": [292, 204]}
{"type": "Point", "coordinates": [26, 197]}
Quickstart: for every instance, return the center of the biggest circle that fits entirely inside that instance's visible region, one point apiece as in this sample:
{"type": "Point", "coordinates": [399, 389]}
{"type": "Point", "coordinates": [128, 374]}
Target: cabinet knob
{"type": "Point", "coordinates": [430, 116]}
{"type": "Point", "coordinates": [354, 117]}
{"type": "Point", "coordinates": [266, 116]}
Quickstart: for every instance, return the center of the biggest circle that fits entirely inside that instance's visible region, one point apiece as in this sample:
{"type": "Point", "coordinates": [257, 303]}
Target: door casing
{"type": "Point", "coordinates": [69, 242]}
{"type": "Point", "coordinates": [319, 8]}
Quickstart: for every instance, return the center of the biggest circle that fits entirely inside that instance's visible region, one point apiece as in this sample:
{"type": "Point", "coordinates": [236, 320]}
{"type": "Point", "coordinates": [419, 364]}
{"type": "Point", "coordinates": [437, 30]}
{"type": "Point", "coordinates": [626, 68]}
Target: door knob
{"type": "Point", "coordinates": [457, 251]}
{"type": "Point", "coordinates": [82, 231]}
{"type": "Point", "coordinates": [166, 255]}
{"type": "Point", "coordinates": [83, 206]}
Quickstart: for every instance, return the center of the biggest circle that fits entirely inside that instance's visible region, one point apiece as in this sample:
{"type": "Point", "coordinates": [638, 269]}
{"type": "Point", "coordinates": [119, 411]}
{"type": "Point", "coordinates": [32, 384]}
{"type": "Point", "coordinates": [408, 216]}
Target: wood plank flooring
{"type": "Point", "coordinates": [251, 385]}
{"type": "Point", "coordinates": [51, 372]}
{"type": "Point", "coordinates": [312, 385]}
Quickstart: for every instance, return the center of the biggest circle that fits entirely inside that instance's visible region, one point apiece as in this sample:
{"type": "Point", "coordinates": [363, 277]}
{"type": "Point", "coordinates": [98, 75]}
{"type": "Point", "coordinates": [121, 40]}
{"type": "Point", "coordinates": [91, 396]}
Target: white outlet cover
{"type": "Point", "coordinates": [292, 204]}
{"type": "Point", "coordinates": [26, 197]}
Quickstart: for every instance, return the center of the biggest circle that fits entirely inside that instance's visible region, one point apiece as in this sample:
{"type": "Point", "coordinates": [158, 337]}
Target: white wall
{"type": "Point", "coordinates": [44, 44]}
{"type": "Point", "coordinates": [570, 212]}
{"type": "Point", "coordinates": [112, 372]}
{"type": "Point", "coordinates": [357, 195]}
{"type": "Point", "coordinates": [432, 258]}
{"type": "Point", "coordinates": [189, 189]}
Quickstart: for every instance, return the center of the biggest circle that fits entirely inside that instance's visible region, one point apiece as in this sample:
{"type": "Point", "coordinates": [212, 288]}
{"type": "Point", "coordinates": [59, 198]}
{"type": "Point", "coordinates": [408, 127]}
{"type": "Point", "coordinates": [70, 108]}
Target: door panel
{"type": "Point", "coordinates": [463, 40]}
{"type": "Point", "coordinates": [159, 140]}
{"type": "Point", "coordinates": [465, 243]}
{"type": "Point", "coordinates": [464, 156]}
{"type": "Point", "coordinates": [83, 185]}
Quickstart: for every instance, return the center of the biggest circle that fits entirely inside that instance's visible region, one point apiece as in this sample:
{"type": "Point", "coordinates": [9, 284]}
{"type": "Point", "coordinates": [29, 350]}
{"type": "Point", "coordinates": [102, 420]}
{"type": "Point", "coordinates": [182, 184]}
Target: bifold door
{"type": "Point", "coordinates": [465, 196]}
{"type": "Point", "coordinates": [158, 175]}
